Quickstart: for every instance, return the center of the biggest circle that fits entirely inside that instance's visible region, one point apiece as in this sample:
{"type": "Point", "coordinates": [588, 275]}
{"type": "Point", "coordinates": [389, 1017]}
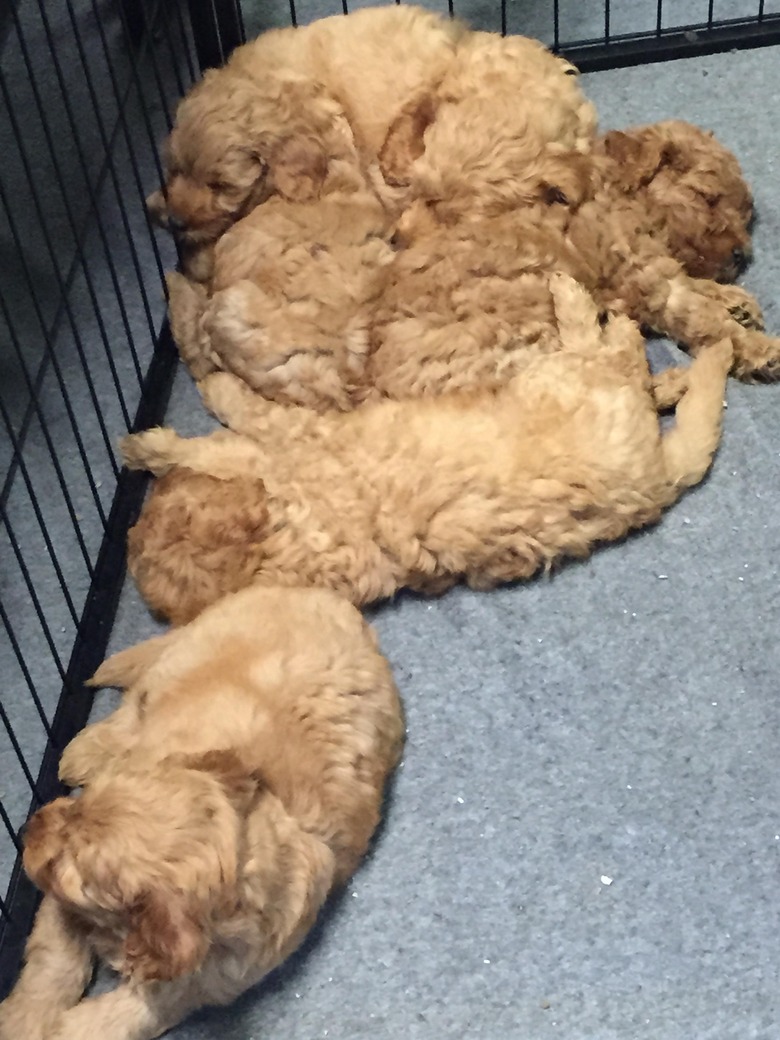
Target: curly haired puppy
{"type": "Point", "coordinates": [239, 781]}
{"type": "Point", "coordinates": [276, 116]}
{"type": "Point", "coordinates": [502, 130]}
{"type": "Point", "coordinates": [667, 214]}
{"type": "Point", "coordinates": [486, 487]}
{"type": "Point", "coordinates": [291, 298]}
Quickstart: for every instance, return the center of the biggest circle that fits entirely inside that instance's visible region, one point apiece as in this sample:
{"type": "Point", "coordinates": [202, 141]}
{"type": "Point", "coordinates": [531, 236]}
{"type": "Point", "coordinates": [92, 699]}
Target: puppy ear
{"type": "Point", "coordinates": [298, 167]}
{"type": "Point", "coordinates": [157, 208]}
{"type": "Point", "coordinates": [125, 668]}
{"type": "Point", "coordinates": [637, 157]}
{"type": "Point", "coordinates": [166, 938]}
{"type": "Point", "coordinates": [405, 140]}
{"type": "Point", "coordinates": [44, 838]}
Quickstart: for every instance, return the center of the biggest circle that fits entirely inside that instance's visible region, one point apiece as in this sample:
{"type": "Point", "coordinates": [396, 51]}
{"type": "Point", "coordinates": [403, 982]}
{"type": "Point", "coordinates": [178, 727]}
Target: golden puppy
{"type": "Point", "coordinates": [277, 115]}
{"type": "Point", "coordinates": [499, 132]}
{"type": "Point", "coordinates": [486, 487]}
{"type": "Point", "coordinates": [464, 301]}
{"type": "Point", "coordinates": [239, 781]}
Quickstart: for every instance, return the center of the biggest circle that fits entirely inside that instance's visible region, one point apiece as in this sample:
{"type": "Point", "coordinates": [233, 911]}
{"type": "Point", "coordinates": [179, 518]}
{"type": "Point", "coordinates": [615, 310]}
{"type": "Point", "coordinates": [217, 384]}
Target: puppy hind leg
{"type": "Point", "coordinates": [220, 454]}
{"type": "Point", "coordinates": [57, 970]}
{"type": "Point", "coordinates": [576, 314]}
{"type": "Point", "coordinates": [688, 449]}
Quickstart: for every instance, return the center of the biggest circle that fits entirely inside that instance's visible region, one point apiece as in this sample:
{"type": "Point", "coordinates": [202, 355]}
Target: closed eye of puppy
{"type": "Point", "coordinates": [237, 784]}
{"type": "Point", "coordinates": [421, 493]}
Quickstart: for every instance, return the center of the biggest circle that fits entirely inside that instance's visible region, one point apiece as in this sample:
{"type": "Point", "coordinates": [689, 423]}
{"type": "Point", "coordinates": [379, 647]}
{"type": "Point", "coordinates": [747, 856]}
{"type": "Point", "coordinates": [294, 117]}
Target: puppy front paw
{"type": "Point", "coordinates": [756, 356]}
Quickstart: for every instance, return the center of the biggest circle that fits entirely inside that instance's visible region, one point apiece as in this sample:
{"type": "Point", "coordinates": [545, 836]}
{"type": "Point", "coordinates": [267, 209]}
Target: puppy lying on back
{"type": "Point", "coordinates": [275, 117]}
{"type": "Point", "coordinates": [486, 487]}
{"type": "Point", "coordinates": [239, 781]}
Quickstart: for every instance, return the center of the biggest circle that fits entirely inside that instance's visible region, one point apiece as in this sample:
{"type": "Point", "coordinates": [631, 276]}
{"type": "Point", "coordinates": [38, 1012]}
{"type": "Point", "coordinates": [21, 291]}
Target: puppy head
{"type": "Point", "coordinates": [197, 539]}
{"type": "Point", "coordinates": [552, 186]}
{"type": "Point", "coordinates": [148, 859]}
{"type": "Point", "coordinates": [694, 188]}
{"type": "Point", "coordinates": [232, 147]}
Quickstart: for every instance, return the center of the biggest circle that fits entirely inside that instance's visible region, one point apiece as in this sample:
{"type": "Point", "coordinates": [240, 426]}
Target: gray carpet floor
{"type": "Point", "coordinates": [583, 840]}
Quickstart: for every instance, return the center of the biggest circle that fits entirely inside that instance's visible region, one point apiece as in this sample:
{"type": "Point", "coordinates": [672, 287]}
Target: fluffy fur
{"type": "Point", "coordinates": [280, 112]}
{"type": "Point", "coordinates": [501, 130]}
{"type": "Point", "coordinates": [486, 487]}
{"type": "Point", "coordinates": [667, 213]}
{"type": "Point", "coordinates": [293, 284]}
{"type": "Point", "coordinates": [651, 221]}
{"type": "Point", "coordinates": [239, 781]}
{"type": "Point", "coordinates": [292, 295]}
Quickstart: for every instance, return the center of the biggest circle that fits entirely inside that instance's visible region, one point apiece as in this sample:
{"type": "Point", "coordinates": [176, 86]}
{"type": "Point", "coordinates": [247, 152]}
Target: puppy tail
{"type": "Point", "coordinates": [689, 448]}
{"type": "Point", "coordinates": [187, 302]}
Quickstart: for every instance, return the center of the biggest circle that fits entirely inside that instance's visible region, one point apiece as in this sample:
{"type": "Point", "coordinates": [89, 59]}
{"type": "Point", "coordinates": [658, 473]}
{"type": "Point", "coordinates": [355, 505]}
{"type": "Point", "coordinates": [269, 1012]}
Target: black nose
{"type": "Point", "coordinates": [739, 256]}
{"type": "Point", "coordinates": [176, 224]}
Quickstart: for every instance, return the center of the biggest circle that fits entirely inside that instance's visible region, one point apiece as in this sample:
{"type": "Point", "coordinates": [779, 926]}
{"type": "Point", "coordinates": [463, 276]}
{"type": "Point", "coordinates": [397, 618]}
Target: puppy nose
{"type": "Point", "coordinates": [739, 256]}
{"type": "Point", "coordinates": [176, 224]}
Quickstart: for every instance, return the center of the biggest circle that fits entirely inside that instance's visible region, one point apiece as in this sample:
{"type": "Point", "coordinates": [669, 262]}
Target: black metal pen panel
{"type": "Point", "coordinates": [88, 90]}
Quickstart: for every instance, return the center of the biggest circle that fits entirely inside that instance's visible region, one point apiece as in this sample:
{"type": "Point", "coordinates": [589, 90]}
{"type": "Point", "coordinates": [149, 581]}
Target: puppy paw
{"type": "Point", "coordinates": [756, 356]}
{"type": "Point", "coordinates": [149, 450]}
{"type": "Point", "coordinates": [746, 318]}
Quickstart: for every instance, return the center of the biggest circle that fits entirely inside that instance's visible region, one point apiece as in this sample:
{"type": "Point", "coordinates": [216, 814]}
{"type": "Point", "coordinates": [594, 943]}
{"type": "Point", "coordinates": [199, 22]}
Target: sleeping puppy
{"type": "Point", "coordinates": [291, 296]}
{"type": "Point", "coordinates": [238, 783]}
{"type": "Point", "coordinates": [666, 219]}
{"type": "Point", "coordinates": [274, 118]}
{"type": "Point", "coordinates": [485, 487]}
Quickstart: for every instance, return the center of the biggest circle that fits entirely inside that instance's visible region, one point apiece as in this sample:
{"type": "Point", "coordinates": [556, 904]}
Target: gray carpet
{"type": "Point", "coordinates": [583, 839]}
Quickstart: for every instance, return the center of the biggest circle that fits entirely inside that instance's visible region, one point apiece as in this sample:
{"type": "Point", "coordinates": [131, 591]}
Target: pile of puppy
{"type": "Point", "coordinates": [413, 286]}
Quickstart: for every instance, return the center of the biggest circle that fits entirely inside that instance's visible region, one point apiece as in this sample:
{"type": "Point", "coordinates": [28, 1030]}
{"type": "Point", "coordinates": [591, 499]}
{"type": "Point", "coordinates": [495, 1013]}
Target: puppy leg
{"type": "Point", "coordinates": [230, 400]}
{"type": "Point", "coordinates": [696, 318]}
{"type": "Point", "coordinates": [98, 745]}
{"type": "Point", "coordinates": [688, 448]}
{"type": "Point", "coordinates": [668, 387]}
{"type": "Point", "coordinates": [159, 450]}
{"type": "Point", "coordinates": [130, 1012]}
{"type": "Point", "coordinates": [577, 316]}
{"type": "Point", "coordinates": [57, 969]}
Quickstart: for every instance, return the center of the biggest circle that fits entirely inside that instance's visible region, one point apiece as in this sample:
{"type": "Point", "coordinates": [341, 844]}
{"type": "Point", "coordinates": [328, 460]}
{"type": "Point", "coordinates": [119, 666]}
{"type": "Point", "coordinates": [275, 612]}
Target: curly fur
{"type": "Point", "coordinates": [486, 487]}
{"type": "Point", "coordinates": [292, 294]}
{"type": "Point", "coordinates": [668, 212]}
{"type": "Point", "coordinates": [282, 111]}
{"type": "Point", "coordinates": [496, 134]}
{"type": "Point", "coordinates": [239, 781]}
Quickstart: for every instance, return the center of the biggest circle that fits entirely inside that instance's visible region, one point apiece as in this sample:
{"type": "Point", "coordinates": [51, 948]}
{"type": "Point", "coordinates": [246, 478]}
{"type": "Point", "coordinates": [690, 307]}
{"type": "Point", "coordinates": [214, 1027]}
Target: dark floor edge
{"type": "Point", "coordinates": [685, 42]}
{"type": "Point", "coordinates": [97, 620]}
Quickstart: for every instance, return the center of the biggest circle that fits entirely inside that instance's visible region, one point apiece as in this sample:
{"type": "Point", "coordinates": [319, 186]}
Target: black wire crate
{"type": "Point", "coordinates": [89, 88]}
{"type": "Point", "coordinates": [88, 92]}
